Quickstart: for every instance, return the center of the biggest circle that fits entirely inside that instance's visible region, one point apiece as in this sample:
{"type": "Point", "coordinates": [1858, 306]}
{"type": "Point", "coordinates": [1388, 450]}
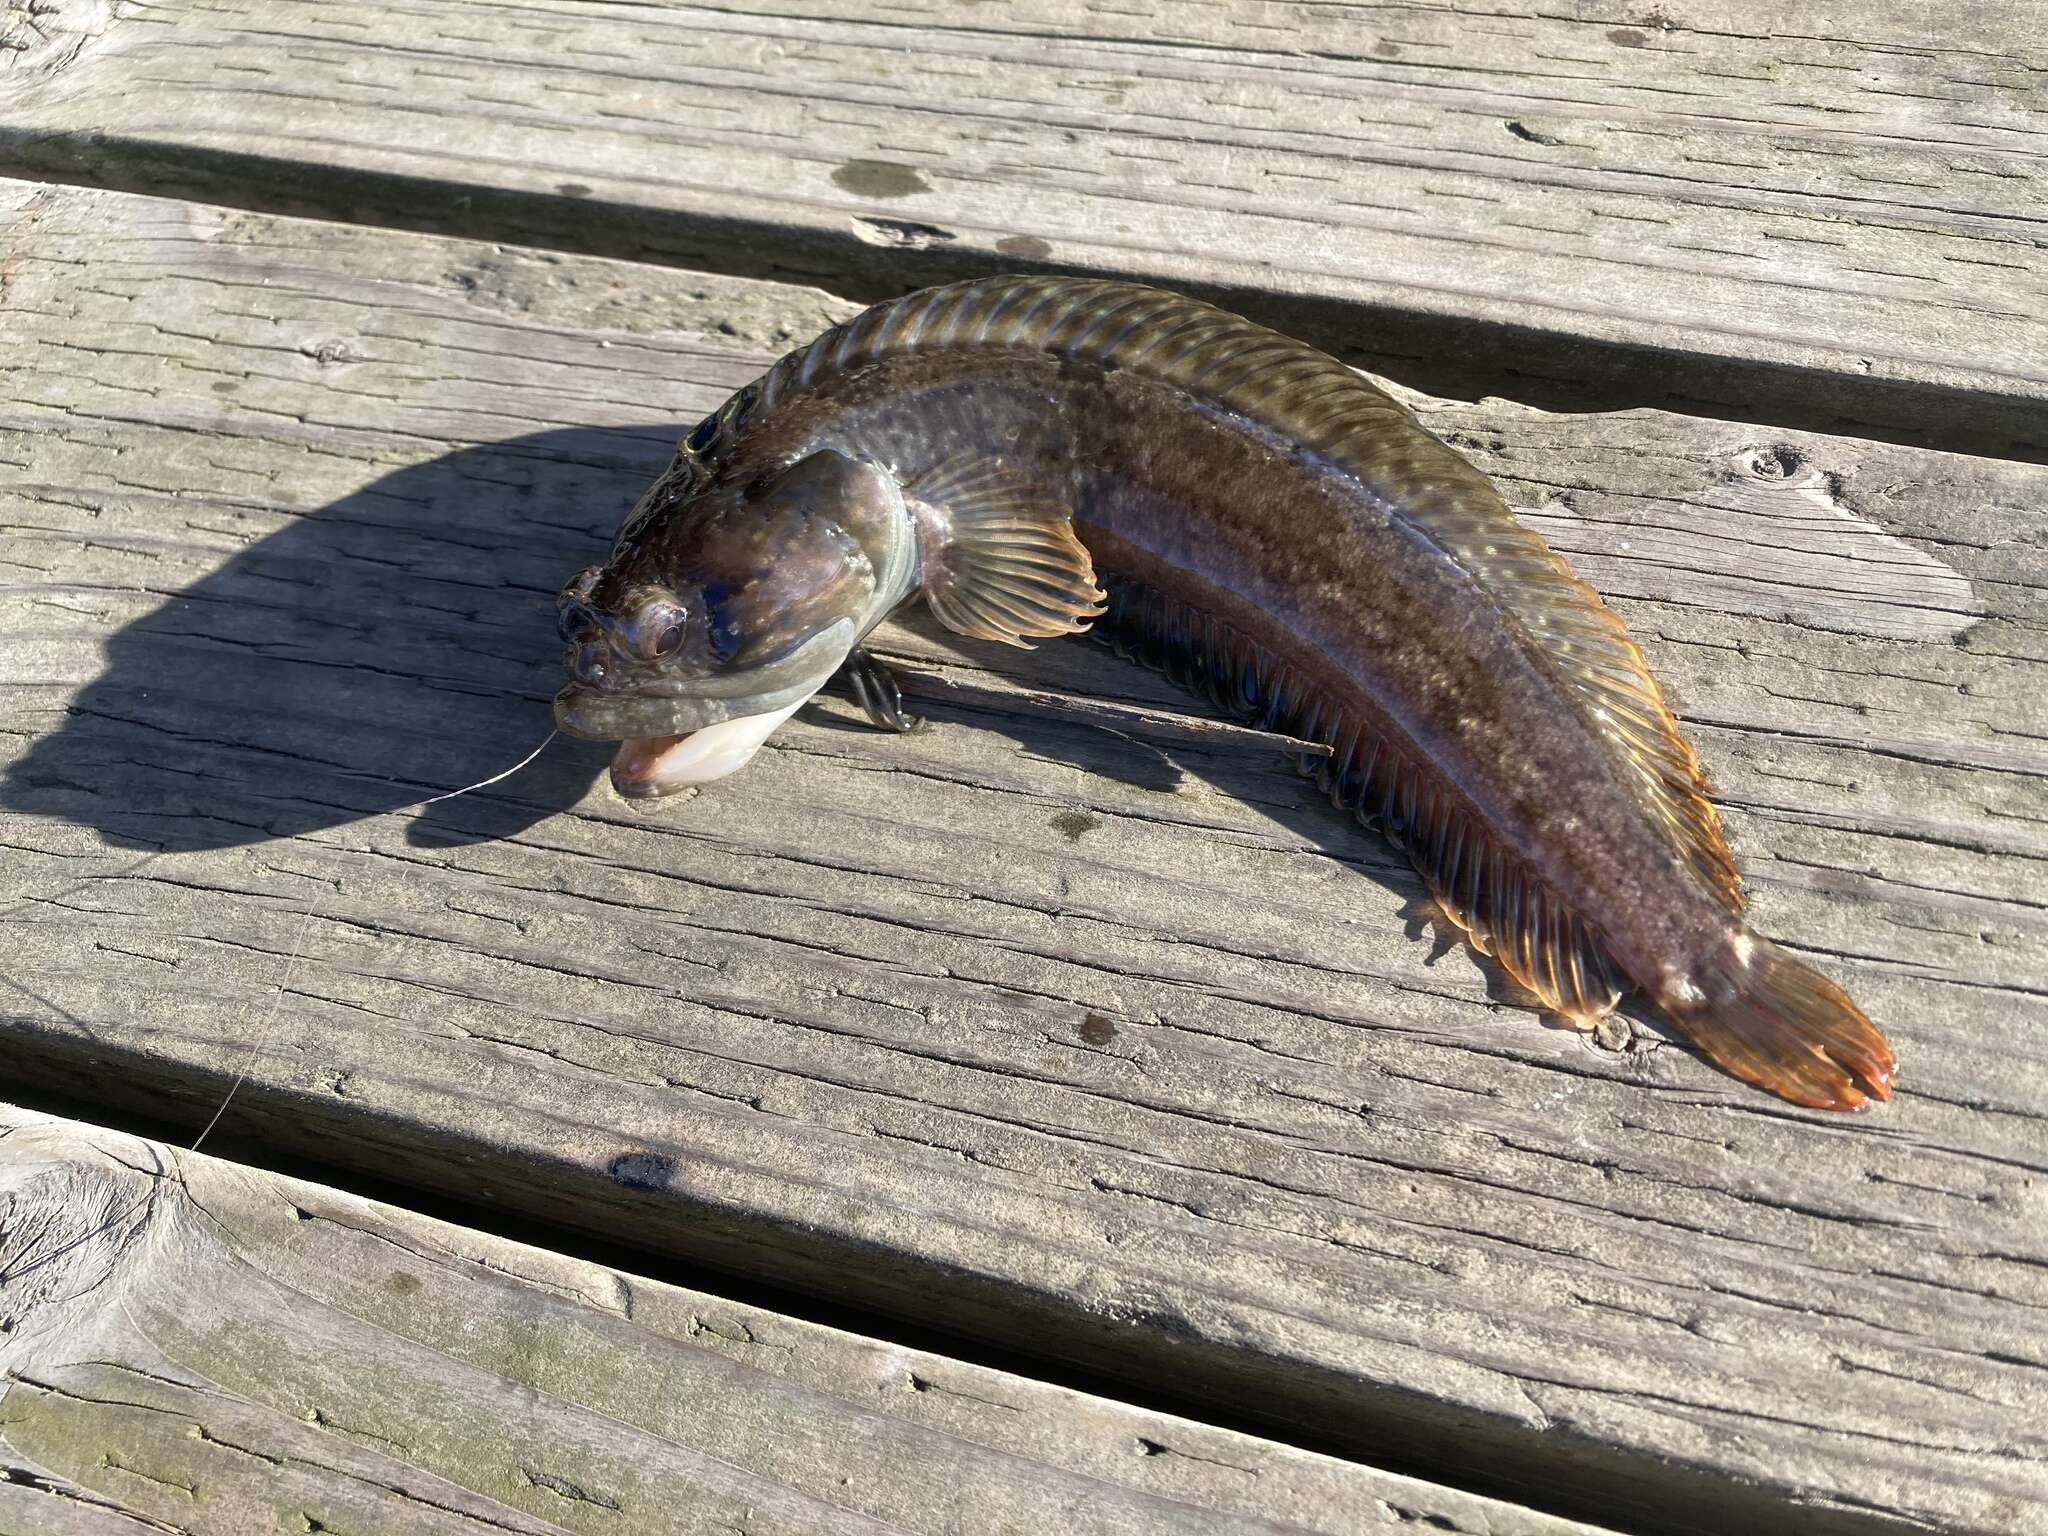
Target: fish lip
{"type": "Point", "coordinates": [627, 789]}
{"type": "Point", "coordinates": [591, 714]}
{"type": "Point", "coordinates": [676, 707]}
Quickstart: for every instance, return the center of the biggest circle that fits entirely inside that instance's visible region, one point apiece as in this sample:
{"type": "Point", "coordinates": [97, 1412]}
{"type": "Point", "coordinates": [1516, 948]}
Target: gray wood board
{"type": "Point", "coordinates": [1072, 1022]}
{"type": "Point", "coordinates": [1833, 220]}
{"type": "Point", "coordinates": [199, 1347]}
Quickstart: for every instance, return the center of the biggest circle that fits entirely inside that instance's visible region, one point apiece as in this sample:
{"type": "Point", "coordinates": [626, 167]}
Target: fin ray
{"type": "Point", "coordinates": [1308, 398]}
{"type": "Point", "coordinates": [999, 556]}
{"type": "Point", "coordinates": [1781, 1025]}
{"type": "Point", "coordinates": [1488, 892]}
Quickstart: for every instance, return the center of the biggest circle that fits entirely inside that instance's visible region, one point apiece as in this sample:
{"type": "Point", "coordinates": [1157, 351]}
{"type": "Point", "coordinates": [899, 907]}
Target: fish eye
{"type": "Point", "coordinates": [658, 629]}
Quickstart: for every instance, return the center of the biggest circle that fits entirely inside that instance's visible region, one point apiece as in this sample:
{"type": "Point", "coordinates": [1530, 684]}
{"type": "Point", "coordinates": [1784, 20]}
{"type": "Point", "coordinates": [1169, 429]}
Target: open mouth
{"type": "Point", "coordinates": [667, 745]}
{"type": "Point", "coordinates": [672, 739]}
{"type": "Point", "coordinates": [647, 767]}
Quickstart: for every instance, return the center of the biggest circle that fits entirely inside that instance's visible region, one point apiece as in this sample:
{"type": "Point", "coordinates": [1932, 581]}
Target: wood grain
{"type": "Point", "coordinates": [1081, 1026]}
{"type": "Point", "coordinates": [197, 1347]}
{"type": "Point", "coordinates": [1833, 221]}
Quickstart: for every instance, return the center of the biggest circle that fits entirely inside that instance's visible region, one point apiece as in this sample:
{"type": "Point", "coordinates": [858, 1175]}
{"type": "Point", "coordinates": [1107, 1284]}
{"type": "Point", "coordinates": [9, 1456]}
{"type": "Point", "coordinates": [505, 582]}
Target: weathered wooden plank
{"type": "Point", "coordinates": [1088, 1029]}
{"type": "Point", "coordinates": [199, 1347]}
{"type": "Point", "coordinates": [1835, 221]}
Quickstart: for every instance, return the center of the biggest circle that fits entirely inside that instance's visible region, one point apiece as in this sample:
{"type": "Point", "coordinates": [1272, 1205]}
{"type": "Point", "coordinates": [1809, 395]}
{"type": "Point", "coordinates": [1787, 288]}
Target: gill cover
{"type": "Point", "coordinates": [739, 600]}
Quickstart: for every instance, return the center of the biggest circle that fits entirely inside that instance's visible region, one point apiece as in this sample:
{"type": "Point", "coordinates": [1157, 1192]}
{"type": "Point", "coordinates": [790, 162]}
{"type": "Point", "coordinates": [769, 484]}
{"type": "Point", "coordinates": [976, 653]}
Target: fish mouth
{"type": "Point", "coordinates": [593, 714]}
{"type": "Point", "coordinates": [648, 767]}
{"type": "Point", "coordinates": [685, 732]}
{"type": "Point", "coordinates": [678, 706]}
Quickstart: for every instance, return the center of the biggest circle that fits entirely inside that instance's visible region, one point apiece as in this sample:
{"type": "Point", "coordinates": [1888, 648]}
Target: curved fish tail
{"type": "Point", "coordinates": [1781, 1025]}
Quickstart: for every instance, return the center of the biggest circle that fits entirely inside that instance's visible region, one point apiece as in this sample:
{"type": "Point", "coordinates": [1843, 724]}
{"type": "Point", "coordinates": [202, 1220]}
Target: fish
{"type": "Point", "coordinates": [1043, 456]}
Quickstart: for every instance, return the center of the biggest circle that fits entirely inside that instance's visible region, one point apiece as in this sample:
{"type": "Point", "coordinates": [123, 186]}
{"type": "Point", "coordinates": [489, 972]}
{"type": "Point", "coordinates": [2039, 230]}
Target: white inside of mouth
{"type": "Point", "coordinates": [661, 765]}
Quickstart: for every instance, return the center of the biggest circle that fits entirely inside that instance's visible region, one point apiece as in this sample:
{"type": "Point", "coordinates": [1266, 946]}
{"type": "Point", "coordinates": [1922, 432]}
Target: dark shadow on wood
{"type": "Point", "coordinates": [626, 1215]}
{"type": "Point", "coordinates": [393, 645]}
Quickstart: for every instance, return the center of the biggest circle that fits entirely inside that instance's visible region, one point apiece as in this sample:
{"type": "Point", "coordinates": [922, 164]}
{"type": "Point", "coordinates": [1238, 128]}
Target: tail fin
{"type": "Point", "coordinates": [1782, 1026]}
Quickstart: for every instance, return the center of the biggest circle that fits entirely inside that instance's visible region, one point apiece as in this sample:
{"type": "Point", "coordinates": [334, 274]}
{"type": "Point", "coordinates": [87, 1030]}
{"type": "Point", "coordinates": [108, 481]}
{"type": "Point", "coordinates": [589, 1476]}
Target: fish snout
{"type": "Point", "coordinates": [597, 662]}
{"type": "Point", "coordinates": [575, 617]}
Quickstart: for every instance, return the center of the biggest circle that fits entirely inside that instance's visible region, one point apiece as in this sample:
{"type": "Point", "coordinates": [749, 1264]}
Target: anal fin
{"type": "Point", "coordinates": [1506, 912]}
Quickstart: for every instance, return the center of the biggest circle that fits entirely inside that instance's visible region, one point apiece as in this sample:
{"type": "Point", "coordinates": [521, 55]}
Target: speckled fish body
{"type": "Point", "coordinates": [1037, 456]}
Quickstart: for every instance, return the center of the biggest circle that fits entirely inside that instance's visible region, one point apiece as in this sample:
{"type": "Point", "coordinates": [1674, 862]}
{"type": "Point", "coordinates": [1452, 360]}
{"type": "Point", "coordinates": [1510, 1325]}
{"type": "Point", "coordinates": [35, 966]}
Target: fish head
{"type": "Point", "coordinates": [721, 611]}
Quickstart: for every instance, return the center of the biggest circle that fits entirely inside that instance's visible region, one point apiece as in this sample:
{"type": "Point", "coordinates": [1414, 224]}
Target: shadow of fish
{"type": "Point", "coordinates": [1043, 456]}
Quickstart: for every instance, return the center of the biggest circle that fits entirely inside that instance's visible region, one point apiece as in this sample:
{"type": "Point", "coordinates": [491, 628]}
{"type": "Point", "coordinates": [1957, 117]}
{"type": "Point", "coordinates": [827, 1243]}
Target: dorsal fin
{"type": "Point", "coordinates": [1589, 651]}
{"type": "Point", "coordinates": [1306, 398]}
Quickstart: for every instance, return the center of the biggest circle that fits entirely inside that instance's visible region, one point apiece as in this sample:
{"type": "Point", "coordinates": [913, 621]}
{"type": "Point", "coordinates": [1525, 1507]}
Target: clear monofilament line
{"type": "Point", "coordinates": [495, 778]}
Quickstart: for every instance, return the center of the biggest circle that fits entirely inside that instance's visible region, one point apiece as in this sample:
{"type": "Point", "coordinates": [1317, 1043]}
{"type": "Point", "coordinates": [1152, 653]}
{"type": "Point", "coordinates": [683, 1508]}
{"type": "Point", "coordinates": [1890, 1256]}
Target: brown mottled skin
{"type": "Point", "coordinates": [1250, 528]}
{"type": "Point", "coordinates": [1372, 583]}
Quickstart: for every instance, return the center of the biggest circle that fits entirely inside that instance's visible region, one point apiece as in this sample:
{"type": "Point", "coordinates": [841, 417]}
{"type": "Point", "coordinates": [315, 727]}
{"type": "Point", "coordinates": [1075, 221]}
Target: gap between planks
{"type": "Point", "coordinates": [195, 1347]}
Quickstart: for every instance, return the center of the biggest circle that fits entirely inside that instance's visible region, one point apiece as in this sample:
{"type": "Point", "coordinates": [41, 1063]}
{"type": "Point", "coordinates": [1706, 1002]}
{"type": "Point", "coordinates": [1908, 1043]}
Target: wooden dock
{"type": "Point", "coordinates": [1057, 1119]}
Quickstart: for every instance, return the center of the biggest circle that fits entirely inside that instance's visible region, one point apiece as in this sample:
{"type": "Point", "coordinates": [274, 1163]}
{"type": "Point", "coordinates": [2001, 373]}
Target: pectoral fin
{"type": "Point", "coordinates": [998, 554]}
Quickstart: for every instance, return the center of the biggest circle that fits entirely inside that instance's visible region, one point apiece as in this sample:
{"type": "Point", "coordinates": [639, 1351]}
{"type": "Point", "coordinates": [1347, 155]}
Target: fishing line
{"type": "Point", "coordinates": [481, 783]}
{"type": "Point", "coordinates": [258, 1039]}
